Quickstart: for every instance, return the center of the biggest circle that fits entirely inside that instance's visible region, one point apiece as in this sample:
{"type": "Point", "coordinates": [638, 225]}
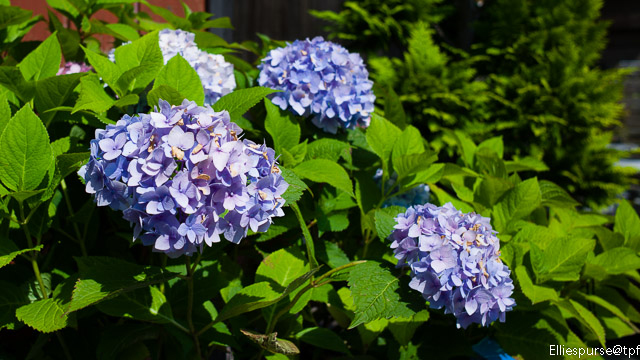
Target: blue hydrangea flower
{"type": "Point", "coordinates": [417, 195]}
{"type": "Point", "coordinates": [455, 262]}
{"type": "Point", "coordinates": [322, 79]}
{"type": "Point", "coordinates": [71, 67]}
{"type": "Point", "coordinates": [215, 73]}
{"type": "Point", "coordinates": [183, 177]}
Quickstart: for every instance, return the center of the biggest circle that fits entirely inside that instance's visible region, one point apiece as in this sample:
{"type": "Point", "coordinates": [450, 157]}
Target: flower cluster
{"type": "Point", "coordinates": [417, 195]}
{"type": "Point", "coordinates": [215, 73]}
{"type": "Point", "coordinates": [454, 261]}
{"type": "Point", "coordinates": [321, 78]}
{"type": "Point", "coordinates": [71, 67]}
{"type": "Point", "coordinates": [183, 177]}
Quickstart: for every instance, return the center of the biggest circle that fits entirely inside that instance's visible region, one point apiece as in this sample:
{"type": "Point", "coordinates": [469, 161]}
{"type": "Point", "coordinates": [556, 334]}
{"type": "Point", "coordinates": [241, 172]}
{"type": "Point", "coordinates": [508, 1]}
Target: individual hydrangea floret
{"type": "Point", "coordinates": [455, 262]}
{"type": "Point", "coordinates": [183, 177]}
{"type": "Point", "coordinates": [71, 67]}
{"type": "Point", "coordinates": [215, 73]}
{"type": "Point", "coordinates": [322, 79]}
{"type": "Point", "coordinates": [417, 195]}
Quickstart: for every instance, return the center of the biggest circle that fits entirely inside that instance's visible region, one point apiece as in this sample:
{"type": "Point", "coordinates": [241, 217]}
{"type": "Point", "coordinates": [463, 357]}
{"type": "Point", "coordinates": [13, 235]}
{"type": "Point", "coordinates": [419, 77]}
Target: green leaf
{"type": "Point", "coordinates": [411, 143]}
{"type": "Point", "coordinates": [467, 147]}
{"type": "Point", "coordinates": [92, 96]}
{"type": "Point", "coordinates": [323, 338]}
{"type": "Point", "coordinates": [334, 222]}
{"type": "Point", "coordinates": [11, 298]}
{"type": "Point", "coordinates": [12, 79]}
{"type": "Point", "coordinates": [53, 92]}
{"type": "Point", "coordinates": [516, 204]}
{"type": "Point", "coordinates": [381, 137]}
{"type": "Point", "coordinates": [139, 63]}
{"type": "Point", "coordinates": [322, 170]}
{"type": "Point", "coordinates": [257, 296]}
{"type": "Point", "coordinates": [585, 317]}
{"type": "Point", "coordinates": [393, 109]}
{"type": "Point", "coordinates": [329, 149]}
{"type": "Point", "coordinates": [609, 307]}
{"type": "Point", "coordinates": [9, 251]}
{"type": "Point", "coordinates": [44, 61]}
{"type": "Point", "coordinates": [170, 16]}
{"type": "Point", "coordinates": [5, 114]}
{"type": "Point", "coordinates": [373, 289]}
{"type": "Point", "coordinates": [525, 164]}
{"type": "Point", "coordinates": [296, 186]}
{"type": "Point", "coordinates": [617, 260]}
{"type": "Point", "coordinates": [124, 31]}
{"type": "Point", "coordinates": [281, 268]}
{"type": "Point", "coordinates": [166, 93]}
{"type": "Point", "coordinates": [385, 220]}
{"type": "Point", "coordinates": [562, 259]}
{"type": "Point", "coordinates": [282, 127]}
{"type": "Point", "coordinates": [410, 165]}
{"type": "Point", "coordinates": [13, 15]}
{"type": "Point", "coordinates": [403, 329]}
{"type": "Point", "coordinates": [45, 315]}
{"type": "Point", "coordinates": [444, 197]}
{"type": "Point", "coordinates": [148, 304]}
{"type": "Point", "coordinates": [535, 293]}
{"type": "Point", "coordinates": [240, 101]}
{"type": "Point", "coordinates": [178, 74]}
{"type": "Point", "coordinates": [331, 254]}
{"type": "Point", "coordinates": [494, 144]}
{"type": "Point", "coordinates": [104, 277]}
{"type": "Point", "coordinates": [555, 196]}
{"type": "Point", "coordinates": [25, 153]}
{"type": "Point", "coordinates": [627, 223]}
{"type": "Point", "coordinates": [108, 71]}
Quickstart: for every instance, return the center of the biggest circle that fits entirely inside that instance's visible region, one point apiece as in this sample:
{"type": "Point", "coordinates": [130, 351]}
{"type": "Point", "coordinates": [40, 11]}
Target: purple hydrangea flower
{"type": "Point", "coordinates": [417, 195]}
{"type": "Point", "coordinates": [215, 73]}
{"type": "Point", "coordinates": [322, 79]}
{"type": "Point", "coordinates": [455, 263]}
{"type": "Point", "coordinates": [71, 67]}
{"type": "Point", "coordinates": [183, 177]}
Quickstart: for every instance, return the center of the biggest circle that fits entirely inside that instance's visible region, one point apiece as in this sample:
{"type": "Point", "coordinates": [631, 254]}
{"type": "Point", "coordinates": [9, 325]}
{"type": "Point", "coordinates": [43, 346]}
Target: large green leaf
{"type": "Point", "coordinates": [516, 204]}
{"type": "Point", "coordinates": [381, 137]}
{"type": "Point", "coordinates": [104, 277]}
{"type": "Point", "coordinates": [44, 61]}
{"type": "Point", "coordinates": [108, 71]}
{"type": "Point", "coordinates": [584, 316]}
{"type": "Point", "coordinates": [373, 289]}
{"type": "Point", "coordinates": [25, 152]}
{"type": "Point", "coordinates": [259, 295]}
{"type": "Point", "coordinates": [11, 78]}
{"type": "Point", "coordinates": [139, 63]}
{"type": "Point", "coordinates": [92, 96]}
{"type": "Point", "coordinates": [554, 195]}
{"type": "Point", "coordinates": [535, 293]}
{"type": "Point", "coordinates": [323, 170]}
{"type": "Point", "coordinates": [178, 74]}
{"type": "Point", "coordinates": [562, 259]}
{"type": "Point", "coordinates": [329, 149]}
{"type": "Point", "coordinates": [628, 224]}
{"type": "Point", "coordinates": [13, 15]}
{"type": "Point", "coordinates": [281, 268]}
{"type": "Point", "coordinates": [295, 189]}
{"type": "Point", "coordinates": [53, 92]}
{"type": "Point", "coordinates": [45, 315]}
{"type": "Point", "coordinates": [240, 101]}
{"type": "Point", "coordinates": [282, 127]}
{"type": "Point", "coordinates": [148, 304]}
{"type": "Point", "coordinates": [617, 260]}
{"type": "Point", "coordinates": [403, 329]}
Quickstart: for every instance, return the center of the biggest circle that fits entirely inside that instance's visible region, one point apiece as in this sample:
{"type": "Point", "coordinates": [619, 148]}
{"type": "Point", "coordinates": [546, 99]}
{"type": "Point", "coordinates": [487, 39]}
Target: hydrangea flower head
{"type": "Point", "coordinates": [71, 67]}
{"type": "Point", "coordinates": [215, 73]}
{"type": "Point", "coordinates": [322, 79]}
{"type": "Point", "coordinates": [417, 195]}
{"type": "Point", "coordinates": [455, 262]}
{"type": "Point", "coordinates": [183, 177]}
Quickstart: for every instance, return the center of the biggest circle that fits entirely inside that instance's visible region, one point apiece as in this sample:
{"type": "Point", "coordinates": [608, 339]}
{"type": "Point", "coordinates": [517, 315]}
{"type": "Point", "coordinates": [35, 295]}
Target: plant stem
{"type": "Point", "coordinates": [192, 329]}
{"type": "Point", "coordinates": [34, 255]}
{"type": "Point", "coordinates": [63, 186]}
{"type": "Point", "coordinates": [307, 235]}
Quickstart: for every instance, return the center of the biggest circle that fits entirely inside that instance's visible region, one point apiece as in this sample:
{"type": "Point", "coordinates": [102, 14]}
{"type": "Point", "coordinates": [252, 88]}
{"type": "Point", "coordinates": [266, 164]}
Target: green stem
{"type": "Point", "coordinates": [192, 329]}
{"type": "Point", "coordinates": [67, 199]}
{"type": "Point", "coordinates": [338, 269]}
{"type": "Point", "coordinates": [307, 235]}
{"type": "Point", "coordinates": [274, 320]}
{"type": "Point", "coordinates": [34, 255]}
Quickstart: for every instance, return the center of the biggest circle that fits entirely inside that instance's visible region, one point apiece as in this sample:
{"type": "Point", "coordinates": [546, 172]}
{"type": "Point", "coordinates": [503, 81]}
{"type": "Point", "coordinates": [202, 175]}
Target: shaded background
{"type": "Point", "coordinates": [290, 19]}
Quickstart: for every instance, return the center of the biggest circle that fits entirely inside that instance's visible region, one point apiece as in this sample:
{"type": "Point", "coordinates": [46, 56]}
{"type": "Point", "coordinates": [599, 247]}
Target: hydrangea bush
{"type": "Point", "coordinates": [362, 243]}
